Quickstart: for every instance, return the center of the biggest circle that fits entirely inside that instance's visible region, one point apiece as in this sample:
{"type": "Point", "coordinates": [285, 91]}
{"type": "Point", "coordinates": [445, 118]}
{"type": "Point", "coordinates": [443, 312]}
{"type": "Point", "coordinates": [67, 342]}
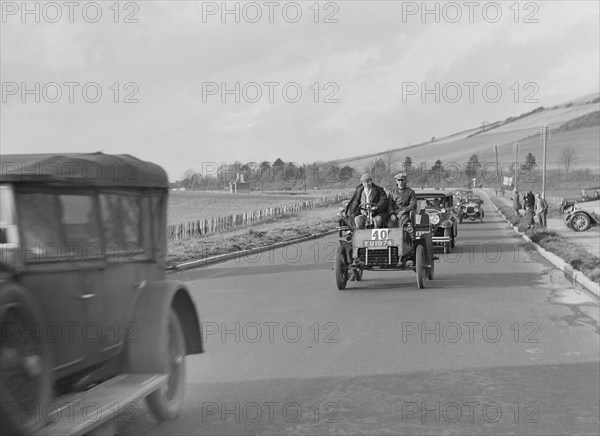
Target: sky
{"type": "Point", "coordinates": [186, 84]}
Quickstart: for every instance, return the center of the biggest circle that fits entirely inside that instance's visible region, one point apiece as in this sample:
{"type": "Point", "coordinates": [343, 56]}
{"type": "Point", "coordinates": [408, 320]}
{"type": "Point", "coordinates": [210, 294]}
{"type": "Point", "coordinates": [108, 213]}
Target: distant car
{"type": "Point", "coordinates": [87, 315]}
{"type": "Point", "coordinates": [581, 215]}
{"type": "Point", "coordinates": [442, 219]}
{"type": "Point", "coordinates": [471, 209]}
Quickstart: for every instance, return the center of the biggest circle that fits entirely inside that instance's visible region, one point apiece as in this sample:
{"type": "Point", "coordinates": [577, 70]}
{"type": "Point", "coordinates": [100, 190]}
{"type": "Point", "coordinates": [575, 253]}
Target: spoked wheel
{"type": "Point", "coordinates": [341, 269]}
{"type": "Point", "coordinates": [165, 402]}
{"type": "Point", "coordinates": [25, 361]}
{"type": "Point", "coordinates": [580, 222]}
{"type": "Point", "coordinates": [420, 265]}
{"type": "Point", "coordinates": [431, 273]}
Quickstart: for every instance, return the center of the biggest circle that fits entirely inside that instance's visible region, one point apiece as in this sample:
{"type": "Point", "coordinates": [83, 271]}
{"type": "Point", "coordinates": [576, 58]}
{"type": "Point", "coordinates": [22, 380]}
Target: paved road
{"type": "Point", "coordinates": [498, 343]}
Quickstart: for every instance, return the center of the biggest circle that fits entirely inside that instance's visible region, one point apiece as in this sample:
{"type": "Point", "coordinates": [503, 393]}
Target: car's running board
{"type": "Point", "coordinates": [82, 412]}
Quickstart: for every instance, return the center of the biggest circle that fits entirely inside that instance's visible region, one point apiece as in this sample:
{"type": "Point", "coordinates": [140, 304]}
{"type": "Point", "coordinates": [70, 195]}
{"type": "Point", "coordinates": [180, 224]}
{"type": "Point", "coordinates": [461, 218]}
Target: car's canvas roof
{"type": "Point", "coordinates": [82, 169]}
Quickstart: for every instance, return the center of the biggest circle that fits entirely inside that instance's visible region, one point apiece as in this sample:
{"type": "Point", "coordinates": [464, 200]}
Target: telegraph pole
{"type": "Point", "coordinates": [545, 135]}
{"type": "Point", "coordinates": [516, 146]}
{"type": "Point", "coordinates": [497, 170]}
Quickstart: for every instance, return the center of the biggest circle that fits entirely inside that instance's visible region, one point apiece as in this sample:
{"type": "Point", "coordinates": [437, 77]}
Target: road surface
{"type": "Point", "coordinates": [497, 343]}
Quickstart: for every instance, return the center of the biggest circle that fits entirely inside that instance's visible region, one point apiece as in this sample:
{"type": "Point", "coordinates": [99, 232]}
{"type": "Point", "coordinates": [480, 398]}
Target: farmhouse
{"type": "Point", "coordinates": [239, 185]}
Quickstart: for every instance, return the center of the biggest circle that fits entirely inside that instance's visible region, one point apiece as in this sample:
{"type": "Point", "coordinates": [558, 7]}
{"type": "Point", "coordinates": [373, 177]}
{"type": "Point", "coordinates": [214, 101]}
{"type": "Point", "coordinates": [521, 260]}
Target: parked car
{"type": "Point", "coordinates": [87, 315]}
{"type": "Point", "coordinates": [581, 215]}
{"type": "Point", "coordinates": [471, 209]}
{"type": "Point", "coordinates": [442, 219]}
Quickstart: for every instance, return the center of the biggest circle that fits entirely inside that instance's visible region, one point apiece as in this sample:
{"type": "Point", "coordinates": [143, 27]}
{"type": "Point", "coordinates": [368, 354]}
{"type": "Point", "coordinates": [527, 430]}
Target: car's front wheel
{"type": "Point", "coordinates": [340, 268]}
{"type": "Point", "coordinates": [420, 266]}
{"type": "Point", "coordinates": [25, 361]}
{"type": "Point", "coordinates": [165, 403]}
{"type": "Point", "coordinates": [580, 222]}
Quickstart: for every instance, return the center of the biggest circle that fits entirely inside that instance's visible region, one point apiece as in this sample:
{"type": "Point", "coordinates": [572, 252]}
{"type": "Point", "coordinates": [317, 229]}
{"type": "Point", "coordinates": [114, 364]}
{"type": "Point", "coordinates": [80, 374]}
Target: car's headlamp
{"type": "Point", "coordinates": [434, 218]}
{"type": "Point", "coordinates": [409, 228]}
{"type": "Point", "coordinates": [443, 210]}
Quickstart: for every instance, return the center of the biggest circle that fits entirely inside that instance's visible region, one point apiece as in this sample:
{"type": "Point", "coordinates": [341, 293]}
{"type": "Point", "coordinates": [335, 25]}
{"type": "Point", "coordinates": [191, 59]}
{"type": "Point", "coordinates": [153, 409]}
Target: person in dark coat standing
{"type": "Point", "coordinates": [541, 211]}
{"type": "Point", "coordinates": [516, 203]}
{"type": "Point", "coordinates": [529, 200]}
{"type": "Point", "coordinates": [368, 192]}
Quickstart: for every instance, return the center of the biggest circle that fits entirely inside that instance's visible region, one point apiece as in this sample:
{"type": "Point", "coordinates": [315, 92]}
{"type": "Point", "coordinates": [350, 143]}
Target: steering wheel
{"type": "Point", "coordinates": [367, 206]}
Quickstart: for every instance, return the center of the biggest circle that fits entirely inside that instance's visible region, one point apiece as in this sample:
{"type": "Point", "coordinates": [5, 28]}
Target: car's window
{"type": "Point", "coordinates": [9, 238]}
{"type": "Point", "coordinates": [61, 227]}
{"type": "Point", "coordinates": [126, 225]}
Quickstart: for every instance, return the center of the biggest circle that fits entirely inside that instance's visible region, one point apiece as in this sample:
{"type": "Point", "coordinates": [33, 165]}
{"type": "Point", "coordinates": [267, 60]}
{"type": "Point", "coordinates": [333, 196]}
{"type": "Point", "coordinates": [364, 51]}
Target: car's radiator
{"type": "Point", "coordinates": [379, 256]}
{"type": "Point", "coordinates": [470, 209]}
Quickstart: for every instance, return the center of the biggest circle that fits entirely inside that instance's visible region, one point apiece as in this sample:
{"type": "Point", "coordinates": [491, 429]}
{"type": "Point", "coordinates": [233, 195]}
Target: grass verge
{"type": "Point", "coordinates": [305, 223]}
{"type": "Point", "coordinates": [576, 256]}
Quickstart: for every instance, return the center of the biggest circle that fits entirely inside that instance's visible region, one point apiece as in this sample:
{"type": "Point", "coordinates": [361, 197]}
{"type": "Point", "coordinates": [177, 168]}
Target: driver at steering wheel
{"type": "Point", "coordinates": [368, 192]}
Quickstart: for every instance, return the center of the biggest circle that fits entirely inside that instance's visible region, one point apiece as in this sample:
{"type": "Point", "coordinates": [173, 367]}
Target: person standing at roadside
{"type": "Point", "coordinates": [529, 200]}
{"type": "Point", "coordinates": [516, 203]}
{"type": "Point", "coordinates": [541, 210]}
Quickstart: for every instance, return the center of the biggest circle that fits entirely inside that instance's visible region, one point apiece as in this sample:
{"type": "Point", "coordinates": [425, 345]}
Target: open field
{"type": "Point", "coordinates": [187, 206]}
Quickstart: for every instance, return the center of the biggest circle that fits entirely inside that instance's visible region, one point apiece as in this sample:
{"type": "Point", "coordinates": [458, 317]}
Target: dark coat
{"type": "Point", "coordinates": [378, 196]}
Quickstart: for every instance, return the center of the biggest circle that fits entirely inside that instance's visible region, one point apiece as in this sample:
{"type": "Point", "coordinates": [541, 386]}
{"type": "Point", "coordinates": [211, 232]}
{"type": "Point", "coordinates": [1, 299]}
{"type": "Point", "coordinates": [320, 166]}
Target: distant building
{"type": "Point", "coordinates": [239, 185]}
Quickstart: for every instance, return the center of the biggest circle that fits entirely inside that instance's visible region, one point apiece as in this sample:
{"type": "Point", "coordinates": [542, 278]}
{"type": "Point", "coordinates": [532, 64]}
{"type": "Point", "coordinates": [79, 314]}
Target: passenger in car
{"type": "Point", "coordinates": [402, 201]}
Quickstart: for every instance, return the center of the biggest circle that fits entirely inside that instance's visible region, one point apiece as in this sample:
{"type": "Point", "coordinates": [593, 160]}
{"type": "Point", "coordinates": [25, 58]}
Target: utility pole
{"type": "Point", "coordinates": [545, 135]}
{"type": "Point", "coordinates": [516, 163]}
{"type": "Point", "coordinates": [497, 170]}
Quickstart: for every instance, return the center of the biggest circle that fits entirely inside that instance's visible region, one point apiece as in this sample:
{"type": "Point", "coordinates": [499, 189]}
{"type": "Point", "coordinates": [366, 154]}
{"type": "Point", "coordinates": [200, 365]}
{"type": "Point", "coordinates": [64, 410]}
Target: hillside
{"type": "Point", "coordinates": [583, 135]}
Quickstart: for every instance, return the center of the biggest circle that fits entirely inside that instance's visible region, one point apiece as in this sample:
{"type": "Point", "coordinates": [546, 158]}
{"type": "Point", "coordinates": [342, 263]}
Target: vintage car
{"type": "Point", "coordinates": [87, 316]}
{"type": "Point", "coordinates": [471, 209]}
{"type": "Point", "coordinates": [442, 219]}
{"type": "Point", "coordinates": [409, 248]}
{"type": "Point", "coordinates": [581, 215]}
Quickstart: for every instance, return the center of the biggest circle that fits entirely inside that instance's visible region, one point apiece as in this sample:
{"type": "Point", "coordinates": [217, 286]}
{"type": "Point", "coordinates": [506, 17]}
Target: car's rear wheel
{"type": "Point", "coordinates": [340, 268]}
{"type": "Point", "coordinates": [25, 361]}
{"type": "Point", "coordinates": [420, 265]}
{"type": "Point", "coordinates": [165, 403]}
{"type": "Point", "coordinates": [580, 222]}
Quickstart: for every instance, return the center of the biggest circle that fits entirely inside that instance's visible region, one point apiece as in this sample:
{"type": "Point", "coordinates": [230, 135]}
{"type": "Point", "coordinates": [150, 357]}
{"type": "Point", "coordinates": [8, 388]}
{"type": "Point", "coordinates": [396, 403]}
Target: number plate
{"type": "Point", "coordinates": [379, 243]}
{"type": "Point", "coordinates": [420, 233]}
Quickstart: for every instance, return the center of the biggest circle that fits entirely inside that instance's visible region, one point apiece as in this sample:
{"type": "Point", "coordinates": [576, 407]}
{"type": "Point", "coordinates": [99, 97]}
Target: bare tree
{"type": "Point", "coordinates": [567, 157]}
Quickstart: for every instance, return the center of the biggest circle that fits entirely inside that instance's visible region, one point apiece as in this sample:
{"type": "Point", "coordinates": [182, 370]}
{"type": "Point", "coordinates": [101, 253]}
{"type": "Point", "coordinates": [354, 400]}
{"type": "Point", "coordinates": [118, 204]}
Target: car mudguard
{"type": "Point", "coordinates": [446, 224]}
{"type": "Point", "coordinates": [150, 319]}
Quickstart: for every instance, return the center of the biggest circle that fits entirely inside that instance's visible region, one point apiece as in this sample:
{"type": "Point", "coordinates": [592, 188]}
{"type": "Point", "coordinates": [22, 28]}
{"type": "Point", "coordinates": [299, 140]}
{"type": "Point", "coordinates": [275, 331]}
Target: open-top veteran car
{"type": "Point", "coordinates": [87, 316]}
{"type": "Point", "coordinates": [442, 219]}
{"type": "Point", "coordinates": [471, 209]}
{"type": "Point", "coordinates": [409, 248]}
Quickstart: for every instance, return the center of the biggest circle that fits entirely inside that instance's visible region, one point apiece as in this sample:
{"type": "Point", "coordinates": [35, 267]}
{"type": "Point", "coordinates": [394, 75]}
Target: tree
{"type": "Point", "coordinates": [346, 173]}
{"type": "Point", "coordinates": [567, 156]}
{"type": "Point", "coordinates": [529, 162]}
{"type": "Point", "coordinates": [472, 166]}
{"type": "Point", "coordinates": [407, 164]}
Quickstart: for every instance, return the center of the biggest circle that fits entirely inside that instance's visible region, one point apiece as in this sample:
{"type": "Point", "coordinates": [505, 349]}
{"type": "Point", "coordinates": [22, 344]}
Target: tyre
{"type": "Point", "coordinates": [447, 247]}
{"type": "Point", "coordinates": [26, 360]}
{"type": "Point", "coordinates": [453, 242]}
{"type": "Point", "coordinates": [580, 222]}
{"type": "Point", "coordinates": [165, 403]}
{"type": "Point", "coordinates": [340, 268]}
{"type": "Point", "coordinates": [419, 265]}
{"type": "Point", "coordinates": [460, 218]}
{"type": "Point", "coordinates": [359, 274]}
{"type": "Point", "coordinates": [431, 273]}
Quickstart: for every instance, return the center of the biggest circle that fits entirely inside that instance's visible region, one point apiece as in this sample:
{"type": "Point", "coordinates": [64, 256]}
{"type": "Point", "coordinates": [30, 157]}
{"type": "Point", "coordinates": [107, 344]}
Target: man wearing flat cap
{"type": "Point", "coordinates": [368, 192]}
{"type": "Point", "coordinates": [402, 201]}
